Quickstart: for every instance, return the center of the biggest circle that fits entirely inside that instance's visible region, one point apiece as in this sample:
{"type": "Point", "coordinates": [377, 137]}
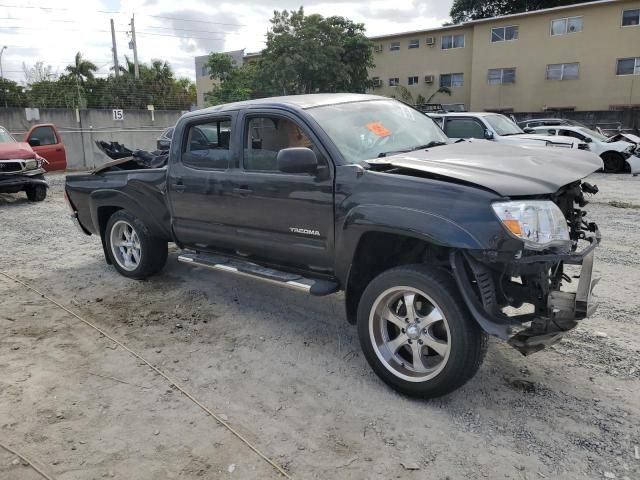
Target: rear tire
{"type": "Point", "coordinates": [613, 162]}
{"type": "Point", "coordinates": [131, 248]}
{"type": "Point", "coordinates": [36, 193]}
{"type": "Point", "coordinates": [427, 350]}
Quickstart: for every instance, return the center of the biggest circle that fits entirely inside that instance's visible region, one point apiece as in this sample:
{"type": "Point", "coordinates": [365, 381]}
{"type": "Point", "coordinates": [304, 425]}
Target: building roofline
{"type": "Point", "coordinates": [470, 23]}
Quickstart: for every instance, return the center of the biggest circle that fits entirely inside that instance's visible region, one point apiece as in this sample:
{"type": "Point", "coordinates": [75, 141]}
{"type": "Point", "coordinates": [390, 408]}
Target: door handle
{"type": "Point", "coordinates": [243, 191]}
{"type": "Point", "coordinates": [58, 149]}
{"type": "Point", "coordinates": [178, 186]}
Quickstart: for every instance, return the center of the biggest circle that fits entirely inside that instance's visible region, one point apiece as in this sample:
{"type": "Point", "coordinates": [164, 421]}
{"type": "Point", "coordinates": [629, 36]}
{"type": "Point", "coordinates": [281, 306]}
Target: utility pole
{"type": "Point", "coordinates": [134, 45]}
{"type": "Point", "coordinates": [2, 50]}
{"type": "Point", "coordinates": [114, 50]}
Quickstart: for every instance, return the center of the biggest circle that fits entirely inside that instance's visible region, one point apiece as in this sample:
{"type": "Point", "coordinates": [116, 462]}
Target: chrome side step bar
{"type": "Point", "coordinates": [313, 286]}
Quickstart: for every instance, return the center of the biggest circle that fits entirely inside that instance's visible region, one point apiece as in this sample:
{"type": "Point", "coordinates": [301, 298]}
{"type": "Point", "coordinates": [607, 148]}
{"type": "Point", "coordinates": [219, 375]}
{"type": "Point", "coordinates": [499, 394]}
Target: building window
{"type": "Point", "coordinates": [504, 34]}
{"type": "Point", "coordinates": [452, 80]}
{"type": "Point", "coordinates": [563, 71]}
{"type": "Point", "coordinates": [394, 46]}
{"type": "Point", "coordinates": [376, 82]}
{"type": "Point", "coordinates": [628, 66]}
{"type": "Point", "coordinates": [631, 18]}
{"type": "Point", "coordinates": [498, 76]}
{"type": "Point", "coordinates": [205, 71]}
{"type": "Point", "coordinates": [562, 26]}
{"type": "Point", "coordinates": [394, 82]}
{"type": "Point", "coordinates": [452, 41]}
{"type": "Point", "coordinates": [415, 43]}
{"type": "Point", "coordinates": [413, 80]}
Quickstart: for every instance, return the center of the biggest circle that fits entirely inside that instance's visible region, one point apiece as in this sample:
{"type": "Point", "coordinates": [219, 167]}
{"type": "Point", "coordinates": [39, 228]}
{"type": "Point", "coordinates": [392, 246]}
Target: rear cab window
{"type": "Point", "coordinates": [465, 128]}
{"type": "Point", "coordinates": [207, 144]}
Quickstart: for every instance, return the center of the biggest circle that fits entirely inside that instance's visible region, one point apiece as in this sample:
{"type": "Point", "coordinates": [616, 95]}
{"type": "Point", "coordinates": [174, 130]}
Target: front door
{"type": "Point", "coordinates": [282, 217]}
{"type": "Point", "coordinates": [47, 143]}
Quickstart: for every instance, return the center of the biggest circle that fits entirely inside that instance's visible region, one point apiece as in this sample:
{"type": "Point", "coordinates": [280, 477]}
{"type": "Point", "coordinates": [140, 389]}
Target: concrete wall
{"type": "Point", "coordinates": [80, 129]}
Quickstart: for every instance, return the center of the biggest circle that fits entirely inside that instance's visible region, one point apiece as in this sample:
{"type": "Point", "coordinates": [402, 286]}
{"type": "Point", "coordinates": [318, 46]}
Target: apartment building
{"type": "Point", "coordinates": [577, 57]}
{"type": "Point", "coordinates": [204, 83]}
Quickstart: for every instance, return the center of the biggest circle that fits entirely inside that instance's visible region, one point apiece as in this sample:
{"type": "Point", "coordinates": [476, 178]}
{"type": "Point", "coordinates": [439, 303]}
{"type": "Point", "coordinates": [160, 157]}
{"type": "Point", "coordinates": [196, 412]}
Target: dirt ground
{"type": "Point", "coordinates": [286, 371]}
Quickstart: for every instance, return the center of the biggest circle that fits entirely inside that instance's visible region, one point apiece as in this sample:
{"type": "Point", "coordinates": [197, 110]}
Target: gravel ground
{"type": "Point", "coordinates": [286, 371]}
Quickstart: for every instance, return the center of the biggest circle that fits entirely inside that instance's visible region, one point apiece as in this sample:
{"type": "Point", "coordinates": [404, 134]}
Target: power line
{"type": "Point", "coordinates": [120, 31]}
{"type": "Point", "coordinates": [118, 12]}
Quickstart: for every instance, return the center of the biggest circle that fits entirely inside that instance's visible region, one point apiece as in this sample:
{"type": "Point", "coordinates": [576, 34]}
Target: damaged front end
{"type": "Point", "coordinates": [493, 283]}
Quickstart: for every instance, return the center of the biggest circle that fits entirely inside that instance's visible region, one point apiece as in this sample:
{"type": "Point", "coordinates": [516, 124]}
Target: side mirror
{"type": "Point", "coordinates": [528, 130]}
{"type": "Point", "coordinates": [297, 160]}
{"type": "Point", "coordinates": [588, 140]}
{"type": "Point", "coordinates": [34, 142]}
{"type": "Point", "coordinates": [488, 134]}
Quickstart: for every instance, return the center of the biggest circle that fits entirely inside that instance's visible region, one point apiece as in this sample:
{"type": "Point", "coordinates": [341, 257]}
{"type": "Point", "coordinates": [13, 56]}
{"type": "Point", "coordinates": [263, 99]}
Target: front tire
{"type": "Point", "coordinates": [416, 333]}
{"type": "Point", "coordinates": [36, 193]}
{"type": "Point", "coordinates": [131, 248]}
{"type": "Point", "coordinates": [613, 162]}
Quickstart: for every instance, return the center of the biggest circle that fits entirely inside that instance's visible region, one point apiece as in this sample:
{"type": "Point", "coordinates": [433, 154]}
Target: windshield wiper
{"type": "Point", "coordinates": [431, 144]}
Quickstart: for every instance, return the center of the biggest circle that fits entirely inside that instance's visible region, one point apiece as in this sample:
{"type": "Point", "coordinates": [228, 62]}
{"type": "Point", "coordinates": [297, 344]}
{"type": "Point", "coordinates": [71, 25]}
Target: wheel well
{"type": "Point", "coordinates": [104, 214]}
{"type": "Point", "coordinates": [379, 251]}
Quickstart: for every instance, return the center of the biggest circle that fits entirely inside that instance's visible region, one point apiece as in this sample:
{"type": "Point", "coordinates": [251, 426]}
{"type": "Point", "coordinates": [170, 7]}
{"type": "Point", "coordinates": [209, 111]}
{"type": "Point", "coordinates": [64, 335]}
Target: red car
{"type": "Point", "coordinates": [21, 169]}
{"type": "Point", "coordinates": [46, 141]}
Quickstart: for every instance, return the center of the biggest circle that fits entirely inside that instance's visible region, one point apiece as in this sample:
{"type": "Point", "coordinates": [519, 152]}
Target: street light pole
{"type": "Point", "coordinates": [2, 50]}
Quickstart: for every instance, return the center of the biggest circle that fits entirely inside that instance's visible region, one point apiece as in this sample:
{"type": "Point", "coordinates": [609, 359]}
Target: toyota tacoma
{"type": "Point", "coordinates": [436, 244]}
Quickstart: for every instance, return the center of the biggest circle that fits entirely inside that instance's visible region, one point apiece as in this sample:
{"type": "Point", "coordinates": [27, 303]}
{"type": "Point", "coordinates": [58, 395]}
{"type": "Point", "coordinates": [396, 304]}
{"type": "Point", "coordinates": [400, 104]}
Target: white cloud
{"type": "Point", "coordinates": [54, 35]}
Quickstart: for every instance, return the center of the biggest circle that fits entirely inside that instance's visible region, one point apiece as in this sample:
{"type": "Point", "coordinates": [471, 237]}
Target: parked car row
{"type": "Point", "coordinates": [619, 153]}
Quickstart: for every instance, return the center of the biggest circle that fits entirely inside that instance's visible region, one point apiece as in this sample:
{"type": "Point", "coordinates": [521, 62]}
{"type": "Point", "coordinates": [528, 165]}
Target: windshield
{"type": "Point", "coordinates": [5, 137]}
{"type": "Point", "coordinates": [371, 129]}
{"type": "Point", "coordinates": [503, 125]}
{"type": "Point", "coordinates": [593, 133]}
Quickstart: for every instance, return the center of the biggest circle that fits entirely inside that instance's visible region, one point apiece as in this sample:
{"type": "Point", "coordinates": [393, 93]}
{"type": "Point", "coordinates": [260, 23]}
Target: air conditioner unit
{"type": "Point", "coordinates": [378, 48]}
{"type": "Point", "coordinates": [428, 78]}
{"type": "Point", "coordinates": [430, 41]}
{"type": "Point", "coordinates": [377, 83]}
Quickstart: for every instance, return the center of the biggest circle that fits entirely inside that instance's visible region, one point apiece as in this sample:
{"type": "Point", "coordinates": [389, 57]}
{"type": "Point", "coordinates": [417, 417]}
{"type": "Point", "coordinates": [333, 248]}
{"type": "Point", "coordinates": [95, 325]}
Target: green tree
{"type": "Point", "coordinates": [236, 84]}
{"type": "Point", "coordinates": [465, 10]}
{"type": "Point", "coordinates": [221, 66]}
{"type": "Point", "coordinates": [444, 90]}
{"type": "Point", "coordinates": [81, 69]}
{"type": "Point", "coordinates": [12, 94]}
{"type": "Point", "coordinates": [310, 53]}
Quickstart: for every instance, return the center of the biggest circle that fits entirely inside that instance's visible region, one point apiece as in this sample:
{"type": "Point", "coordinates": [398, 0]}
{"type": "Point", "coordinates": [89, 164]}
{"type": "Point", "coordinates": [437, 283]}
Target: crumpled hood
{"type": "Point", "coordinates": [16, 151]}
{"type": "Point", "coordinates": [507, 170]}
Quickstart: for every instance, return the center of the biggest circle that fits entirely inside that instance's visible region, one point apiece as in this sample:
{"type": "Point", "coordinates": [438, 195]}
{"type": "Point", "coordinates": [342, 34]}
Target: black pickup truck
{"type": "Point", "coordinates": [431, 241]}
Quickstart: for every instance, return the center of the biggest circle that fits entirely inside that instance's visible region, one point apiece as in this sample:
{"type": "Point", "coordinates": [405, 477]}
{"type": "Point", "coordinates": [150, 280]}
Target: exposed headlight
{"type": "Point", "coordinates": [538, 223]}
{"type": "Point", "coordinates": [31, 164]}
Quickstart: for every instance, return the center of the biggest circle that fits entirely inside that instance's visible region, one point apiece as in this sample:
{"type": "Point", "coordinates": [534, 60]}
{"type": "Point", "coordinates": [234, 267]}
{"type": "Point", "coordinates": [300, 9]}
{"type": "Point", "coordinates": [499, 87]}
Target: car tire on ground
{"type": "Point", "coordinates": [613, 162]}
{"type": "Point", "coordinates": [132, 250]}
{"type": "Point", "coordinates": [36, 193]}
{"type": "Point", "coordinates": [425, 351]}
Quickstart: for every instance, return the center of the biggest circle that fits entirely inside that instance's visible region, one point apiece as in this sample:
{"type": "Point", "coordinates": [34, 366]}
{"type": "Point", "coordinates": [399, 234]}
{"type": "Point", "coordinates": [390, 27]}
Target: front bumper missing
{"type": "Point", "coordinates": [564, 309]}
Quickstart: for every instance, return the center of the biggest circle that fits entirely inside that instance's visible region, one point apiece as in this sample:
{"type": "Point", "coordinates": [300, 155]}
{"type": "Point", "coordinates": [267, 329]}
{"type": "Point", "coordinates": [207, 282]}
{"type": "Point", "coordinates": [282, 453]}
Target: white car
{"type": "Point", "coordinates": [614, 151]}
{"type": "Point", "coordinates": [498, 128]}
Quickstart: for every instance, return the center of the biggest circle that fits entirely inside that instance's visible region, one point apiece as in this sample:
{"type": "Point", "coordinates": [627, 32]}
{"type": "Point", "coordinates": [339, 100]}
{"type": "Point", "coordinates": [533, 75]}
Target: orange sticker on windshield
{"type": "Point", "coordinates": [379, 129]}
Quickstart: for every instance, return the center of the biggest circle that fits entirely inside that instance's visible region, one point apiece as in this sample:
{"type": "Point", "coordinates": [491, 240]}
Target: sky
{"type": "Point", "coordinates": [175, 31]}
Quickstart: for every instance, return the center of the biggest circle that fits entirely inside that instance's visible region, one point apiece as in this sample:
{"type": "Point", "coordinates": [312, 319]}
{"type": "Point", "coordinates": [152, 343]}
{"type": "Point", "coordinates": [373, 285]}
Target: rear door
{"type": "Point", "coordinates": [198, 183]}
{"type": "Point", "coordinates": [282, 217]}
{"type": "Point", "coordinates": [46, 142]}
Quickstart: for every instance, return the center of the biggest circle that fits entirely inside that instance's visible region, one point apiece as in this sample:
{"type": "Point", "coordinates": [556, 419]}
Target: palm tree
{"type": "Point", "coordinates": [440, 90]}
{"type": "Point", "coordinates": [404, 95]}
{"type": "Point", "coordinates": [82, 69]}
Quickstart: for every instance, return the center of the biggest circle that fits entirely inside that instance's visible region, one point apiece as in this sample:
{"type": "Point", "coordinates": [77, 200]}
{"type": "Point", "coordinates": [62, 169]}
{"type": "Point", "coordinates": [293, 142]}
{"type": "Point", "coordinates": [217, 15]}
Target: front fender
{"type": "Point", "coordinates": [428, 226]}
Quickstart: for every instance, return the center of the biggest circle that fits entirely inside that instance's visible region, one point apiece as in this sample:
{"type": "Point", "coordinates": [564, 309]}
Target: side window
{"type": "Point", "coordinates": [207, 144]}
{"type": "Point", "coordinates": [45, 135]}
{"type": "Point", "coordinates": [464, 128]}
{"type": "Point", "coordinates": [571, 133]}
{"type": "Point", "coordinates": [266, 136]}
